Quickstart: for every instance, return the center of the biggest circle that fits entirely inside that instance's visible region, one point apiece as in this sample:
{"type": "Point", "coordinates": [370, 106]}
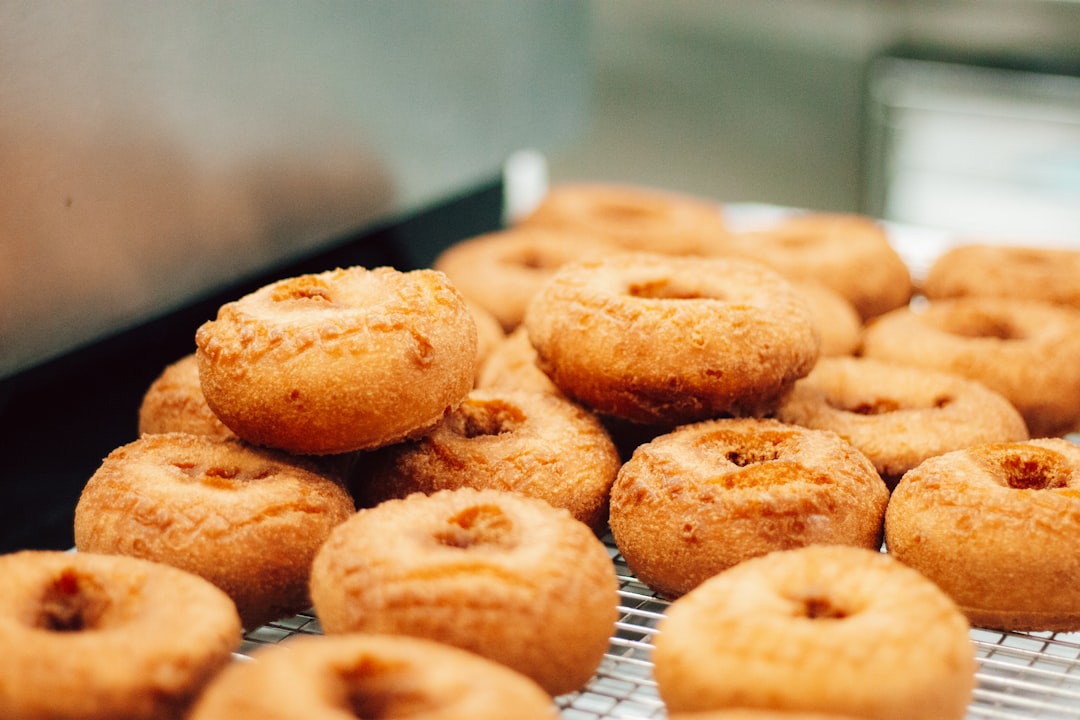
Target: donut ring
{"type": "Point", "coordinates": [501, 271]}
{"type": "Point", "coordinates": [344, 360]}
{"type": "Point", "coordinates": [848, 253]}
{"type": "Point", "coordinates": [735, 714]}
{"type": "Point", "coordinates": [899, 415]}
{"type": "Point", "coordinates": [93, 636]}
{"type": "Point", "coordinates": [827, 629]}
{"type": "Point", "coordinates": [247, 520]}
{"type": "Point", "coordinates": [489, 333]}
{"type": "Point", "coordinates": [174, 402]}
{"type": "Point", "coordinates": [632, 217]}
{"type": "Point", "coordinates": [1027, 273]}
{"type": "Point", "coordinates": [997, 527]}
{"type": "Point", "coordinates": [664, 340]}
{"type": "Point", "coordinates": [707, 496]}
{"type": "Point", "coordinates": [837, 322]}
{"type": "Point", "coordinates": [369, 676]}
{"type": "Point", "coordinates": [1024, 350]}
{"type": "Point", "coordinates": [537, 445]}
{"type": "Point", "coordinates": [499, 574]}
{"type": "Point", "coordinates": [511, 365]}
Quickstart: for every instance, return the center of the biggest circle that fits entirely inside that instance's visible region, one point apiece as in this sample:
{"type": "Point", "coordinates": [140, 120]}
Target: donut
{"type": "Point", "coordinates": [849, 253]}
{"type": "Point", "coordinates": [344, 360]}
{"type": "Point", "coordinates": [707, 496]}
{"type": "Point", "coordinates": [534, 444]}
{"type": "Point", "coordinates": [94, 636]}
{"type": "Point", "coordinates": [489, 333]}
{"type": "Point", "coordinates": [1024, 350]}
{"type": "Point", "coordinates": [511, 365]}
{"type": "Point", "coordinates": [1028, 273]}
{"type": "Point", "coordinates": [370, 676]}
{"type": "Point", "coordinates": [899, 415]}
{"type": "Point", "coordinates": [174, 402]}
{"type": "Point", "coordinates": [502, 270]}
{"type": "Point", "coordinates": [632, 217]}
{"type": "Point", "coordinates": [506, 576]}
{"type": "Point", "coordinates": [820, 629]}
{"type": "Point", "coordinates": [997, 527]}
{"type": "Point", "coordinates": [838, 324]}
{"type": "Point", "coordinates": [737, 714]}
{"type": "Point", "coordinates": [658, 339]}
{"type": "Point", "coordinates": [249, 520]}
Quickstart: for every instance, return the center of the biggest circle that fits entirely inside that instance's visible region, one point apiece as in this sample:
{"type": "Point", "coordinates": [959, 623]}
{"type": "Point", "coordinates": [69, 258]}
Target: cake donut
{"type": "Point", "coordinates": [247, 519]}
{"type": "Point", "coordinates": [736, 714]}
{"type": "Point", "coordinates": [511, 365]}
{"type": "Point", "coordinates": [997, 527]}
{"type": "Point", "coordinates": [174, 402]}
{"type": "Point", "coordinates": [93, 636]}
{"type": "Point", "coordinates": [820, 629]}
{"type": "Point", "coordinates": [838, 324]}
{"type": "Point", "coordinates": [1028, 273]}
{"type": "Point", "coordinates": [370, 676]}
{"type": "Point", "coordinates": [707, 496]}
{"type": "Point", "coordinates": [899, 415]}
{"type": "Point", "coordinates": [506, 576]}
{"type": "Point", "coordinates": [502, 270]}
{"type": "Point", "coordinates": [849, 253]}
{"type": "Point", "coordinates": [632, 217]}
{"type": "Point", "coordinates": [534, 444]}
{"type": "Point", "coordinates": [489, 332]}
{"type": "Point", "coordinates": [344, 360]}
{"type": "Point", "coordinates": [658, 339]}
{"type": "Point", "coordinates": [1024, 350]}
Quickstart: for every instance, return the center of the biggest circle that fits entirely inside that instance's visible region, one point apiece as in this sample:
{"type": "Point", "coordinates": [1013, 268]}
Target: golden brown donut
{"type": "Point", "coordinates": [633, 217]}
{"type": "Point", "coordinates": [248, 520]}
{"type": "Point", "coordinates": [534, 444]}
{"type": "Point", "coordinates": [659, 339]}
{"type": "Point", "coordinates": [707, 496]}
{"type": "Point", "coordinates": [737, 714]}
{"type": "Point", "coordinates": [344, 360]}
{"type": "Point", "coordinates": [1028, 273]}
{"type": "Point", "coordinates": [899, 415]}
{"type": "Point", "coordinates": [502, 270]}
{"type": "Point", "coordinates": [370, 676]}
{"type": "Point", "coordinates": [489, 333]}
{"type": "Point", "coordinates": [93, 636]}
{"type": "Point", "coordinates": [511, 365]}
{"type": "Point", "coordinates": [837, 322]}
{"type": "Point", "coordinates": [997, 527]}
{"type": "Point", "coordinates": [174, 402]}
{"type": "Point", "coordinates": [499, 574]}
{"type": "Point", "coordinates": [825, 629]}
{"type": "Point", "coordinates": [849, 253]}
{"type": "Point", "coordinates": [1024, 350]}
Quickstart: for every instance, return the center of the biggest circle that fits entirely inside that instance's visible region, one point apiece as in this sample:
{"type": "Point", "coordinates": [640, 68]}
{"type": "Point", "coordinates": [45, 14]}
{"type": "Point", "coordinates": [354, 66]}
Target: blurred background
{"type": "Point", "coordinates": [157, 158]}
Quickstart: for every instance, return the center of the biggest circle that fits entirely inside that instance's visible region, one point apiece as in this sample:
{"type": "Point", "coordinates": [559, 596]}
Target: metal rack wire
{"type": "Point", "coordinates": [1020, 675]}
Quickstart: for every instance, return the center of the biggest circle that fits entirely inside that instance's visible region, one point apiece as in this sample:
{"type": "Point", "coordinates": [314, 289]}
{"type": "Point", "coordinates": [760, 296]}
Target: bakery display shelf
{"type": "Point", "coordinates": [1020, 675]}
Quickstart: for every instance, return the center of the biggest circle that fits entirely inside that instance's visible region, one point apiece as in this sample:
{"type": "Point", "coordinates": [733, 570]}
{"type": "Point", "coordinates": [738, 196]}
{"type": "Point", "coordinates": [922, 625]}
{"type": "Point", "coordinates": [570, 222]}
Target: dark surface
{"type": "Point", "coordinates": [58, 420]}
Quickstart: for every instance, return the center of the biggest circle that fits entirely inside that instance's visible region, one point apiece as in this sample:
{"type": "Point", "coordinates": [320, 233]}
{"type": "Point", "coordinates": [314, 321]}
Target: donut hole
{"type": "Point", "coordinates": [302, 289]}
{"type": "Point", "coordinates": [1033, 469]}
{"type": "Point", "coordinates": [477, 526]}
{"type": "Point", "coordinates": [983, 325]}
{"type": "Point", "coordinates": [818, 607]}
{"type": "Point", "coordinates": [886, 405]}
{"type": "Point", "coordinates": [666, 289]}
{"type": "Point", "coordinates": [616, 212]}
{"type": "Point", "coordinates": [71, 603]}
{"type": "Point", "coordinates": [220, 475]}
{"type": "Point", "coordinates": [536, 259]}
{"type": "Point", "coordinates": [486, 418]}
{"type": "Point", "coordinates": [377, 689]}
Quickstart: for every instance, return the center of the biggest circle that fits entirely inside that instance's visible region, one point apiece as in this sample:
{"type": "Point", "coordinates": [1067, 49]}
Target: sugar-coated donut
{"type": "Point", "coordinates": [1024, 350]}
{"type": "Point", "coordinates": [370, 676]}
{"type": "Point", "coordinates": [499, 574]}
{"type": "Point", "coordinates": [633, 217]}
{"type": "Point", "coordinates": [707, 496]}
{"type": "Point", "coordinates": [661, 339]}
{"type": "Point", "coordinates": [534, 444]}
{"type": "Point", "coordinates": [344, 360]}
{"type": "Point", "coordinates": [899, 415]}
{"type": "Point", "coordinates": [837, 322]}
{"type": "Point", "coordinates": [93, 636]}
{"type": "Point", "coordinates": [247, 519]}
{"type": "Point", "coordinates": [502, 270]}
{"type": "Point", "coordinates": [824, 628]}
{"type": "Point", "coordinates": [1028, 273]}
{"type": "Point", "coordinates": [997, 527]}
{"type": "Point", "coordinates": [847, 252]}
{"type": "Point", "coordinates": [511, 365]}
{"type": "Point", "coordinates": [174, 402]}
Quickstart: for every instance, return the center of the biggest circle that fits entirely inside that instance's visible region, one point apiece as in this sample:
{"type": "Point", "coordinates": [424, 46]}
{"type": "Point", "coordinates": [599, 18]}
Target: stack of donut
{"type": "Point", "coordinates": [434, 456]}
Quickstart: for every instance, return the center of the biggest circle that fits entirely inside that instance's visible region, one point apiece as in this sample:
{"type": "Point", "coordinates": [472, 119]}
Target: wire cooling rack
{"type": "Point", "coordinates": [1020, 675]}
